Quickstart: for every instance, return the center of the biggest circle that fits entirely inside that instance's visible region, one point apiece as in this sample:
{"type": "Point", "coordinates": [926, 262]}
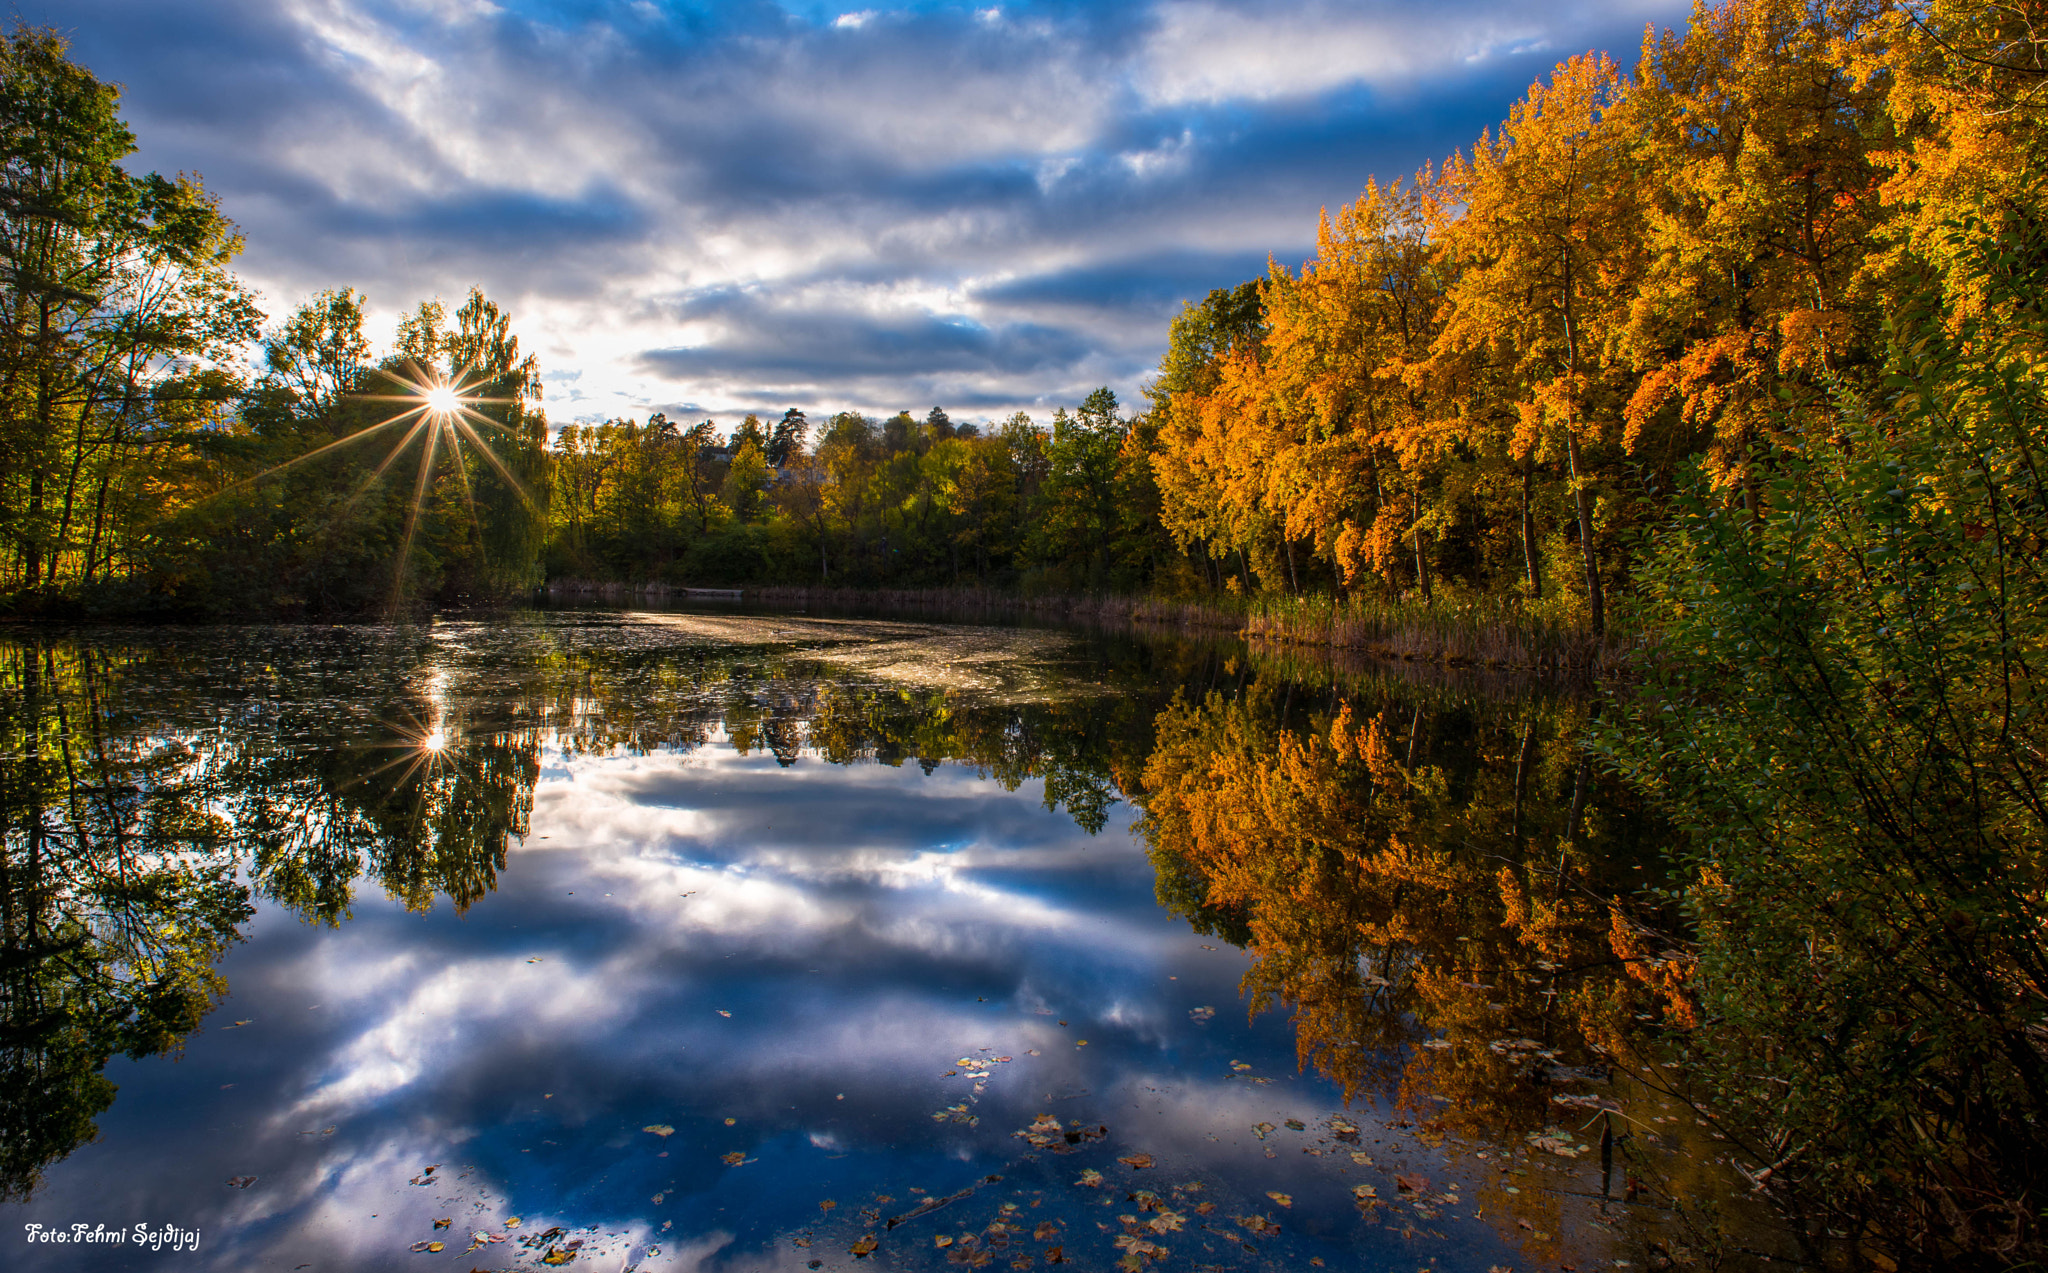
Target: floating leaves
{"type": "Point", "coordinates": [1090, 1179]}
{"type": "Point", "coordinates": [1138, 1251]}
{"type": "Point", "coordinates": [662, 1130]}
{"type": "Point", "coordinates": [1556, 1141]}
{"type": "Point", "coordinates": [434, 1248]}
{"type": "Point", "coordinates": [1260, 1129]}
{"type": "Point", "coordinates": [240, 1182]}
{"type": "Point", "coordinates": [444, 1223]}
{"type": "Point", "coordinates": [1258, 1224]}
{"type": "Point", "coordinates": [1136, 1162]}
{"type": "Point", "coordinates": [723, 1013]}
{"type": "Point", "coordinates": [1410, 1184]}
{"type": "Point", "coordinates": [1284, 1199]}
{"type": "Point", "coordinates": [1044, 1133]}
{"type": "Point", "coordinates": [1202, 1015]}
{"type": "Point", "coordinates": [865, 1246]}
{"type": "Point", "coordinates": [733, 1159]}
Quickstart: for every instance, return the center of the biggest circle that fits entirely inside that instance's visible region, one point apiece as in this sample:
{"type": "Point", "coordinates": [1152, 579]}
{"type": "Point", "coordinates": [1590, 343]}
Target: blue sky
{"type": "Point", "coordinates": [711, 209]}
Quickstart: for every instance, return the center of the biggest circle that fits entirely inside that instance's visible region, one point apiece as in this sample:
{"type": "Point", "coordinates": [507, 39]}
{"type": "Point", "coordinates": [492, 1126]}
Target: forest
{"type": "Point", "coordinates": [1499, 377]}
{"type": "Point", "coordinates": [1734, 359]}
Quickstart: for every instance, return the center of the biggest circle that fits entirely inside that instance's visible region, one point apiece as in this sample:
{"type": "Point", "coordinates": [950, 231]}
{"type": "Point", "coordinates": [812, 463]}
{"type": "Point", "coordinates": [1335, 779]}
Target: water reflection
{"type": "Point", "coordinates": [666, 931]}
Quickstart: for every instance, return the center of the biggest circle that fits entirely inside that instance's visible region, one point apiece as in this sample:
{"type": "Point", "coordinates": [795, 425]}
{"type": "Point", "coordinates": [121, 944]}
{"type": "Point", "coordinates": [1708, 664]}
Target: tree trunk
{"type": "Point", "coordinates": [1529, 532]}
{"type": "Point", "coordinates": [1594, 596]}
{"type": "Point", "coordinates": [1593, 593]}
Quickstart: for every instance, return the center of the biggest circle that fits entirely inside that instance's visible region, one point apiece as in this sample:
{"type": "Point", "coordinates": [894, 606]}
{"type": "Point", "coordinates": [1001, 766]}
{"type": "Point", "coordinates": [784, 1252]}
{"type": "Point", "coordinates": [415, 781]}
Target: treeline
{"type": "Point", "coordinates": [890, 503]}
{"type": "Point", "coordinates": [1497, 373]}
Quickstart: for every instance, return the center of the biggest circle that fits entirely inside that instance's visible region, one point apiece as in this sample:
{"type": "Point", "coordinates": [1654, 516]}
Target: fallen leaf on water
{"type": "Point", "coordinates": [513, 1223]}
{"type": "Point", "coordinates": [723, 1013]}
{"type": "Point", "coordinates": [942, 1240]}
{"type": "Point", "coordinates": [865, 1246]}
{"type": "Point", "coordinates": [1137, 1162]}
{"type": "Point", "coordinates": [1296, 1125]}
{"type": "Point", "coordinates": [827, 1205]}
{"type": "Point", "coordinates": [1362, 1159]}
{"type": "Point", "coordinates": [240, 1182]}
{"type": "Point", "coordinates": [1284, 1199]}
{"type": "Point", "coordinates": [1200, 1015]}
{"type": "Point", "coordinates": [1056, 1255]}
{"type": "Point", "coordinates": [1090, 1178]}
{"type": "Point", "coordinates": [801, 1241]}
{"type": "Point", "coordinates": [1413, 1184]}
{"type": "Point", "coordinates": [1239, 1066]}
{"type": "Point", "coordinates": [442, 1224]}
{"type": "Point", "coordinates": [662, 1130]}
{"type": "Point", "coordinates": [435, 1247]}
{"type": "Point", "coordinates": [1260, 1129]}
{"type": "Point", "coordinates": [733, 1159]}
{"type": "Point", "coordinates": [1204, 1208]}
{"type": "Point", "coordinates": [731, 1122]}
{"type": "Point", "coordinates": [1080, 1043]}
{"type": "Point", "coordinates": [1045, 1232]}
{"type": "Point", "coordinates": [656, 1199]}
{"type": "Point", "coordinates": [1031, 1051]}
{"type": "Point", "coordinates": [536, 959]}
{"type": "Point", "coordinates": [251, 1021]}
{"type": "Point", "coordinates": [557, 1257]}
{"type": "Point", "coordinates": [1364, 1192]}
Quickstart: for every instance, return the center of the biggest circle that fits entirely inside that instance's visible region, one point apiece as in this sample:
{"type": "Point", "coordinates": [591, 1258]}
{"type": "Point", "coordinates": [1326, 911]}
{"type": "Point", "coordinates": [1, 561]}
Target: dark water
{"type": "Point", "coordinates": [738, 942]}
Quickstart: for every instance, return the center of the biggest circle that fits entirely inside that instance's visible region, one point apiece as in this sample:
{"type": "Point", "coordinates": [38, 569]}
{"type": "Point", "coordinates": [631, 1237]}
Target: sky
{"type": "Point", "coordinates": [715, 209]}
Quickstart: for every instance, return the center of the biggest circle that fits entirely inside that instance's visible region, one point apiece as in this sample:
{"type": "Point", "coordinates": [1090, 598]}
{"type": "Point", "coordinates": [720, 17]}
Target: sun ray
{"type": "Point", "coordinates": [491, 458]}
{"type": "Point", "coordinates": [468, 498]}
{"type": "Point", "coordinates": [274, 469]}
{"type": "Point", "coordinates": [412, 518]}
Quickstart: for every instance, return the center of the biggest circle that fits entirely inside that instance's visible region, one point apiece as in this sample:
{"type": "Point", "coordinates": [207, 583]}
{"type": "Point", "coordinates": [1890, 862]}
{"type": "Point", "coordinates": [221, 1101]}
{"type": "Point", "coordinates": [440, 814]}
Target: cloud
{"type": "Point", "coordinates": [728, 204]}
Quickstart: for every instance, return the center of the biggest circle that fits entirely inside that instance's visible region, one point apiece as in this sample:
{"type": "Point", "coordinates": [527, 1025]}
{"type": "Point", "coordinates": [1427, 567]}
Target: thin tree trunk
{"type": "Point", "coordinates": [1594, 596]}
{"type": "Point", "coordinates": [1529, 532]}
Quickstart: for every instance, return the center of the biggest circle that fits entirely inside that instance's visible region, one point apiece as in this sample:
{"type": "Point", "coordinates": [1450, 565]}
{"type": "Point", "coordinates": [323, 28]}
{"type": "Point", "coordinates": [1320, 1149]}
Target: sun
{"type": "Point", "coordinates": [443, 400]}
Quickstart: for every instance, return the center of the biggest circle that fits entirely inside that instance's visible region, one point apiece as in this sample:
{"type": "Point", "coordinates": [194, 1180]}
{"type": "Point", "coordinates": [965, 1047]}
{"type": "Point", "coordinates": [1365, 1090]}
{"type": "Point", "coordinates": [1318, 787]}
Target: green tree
{"type": "Point", "coordinates": [115, 303]}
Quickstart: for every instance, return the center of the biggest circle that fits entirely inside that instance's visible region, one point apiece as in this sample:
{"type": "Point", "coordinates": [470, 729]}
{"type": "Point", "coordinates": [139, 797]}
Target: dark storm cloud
{"type": "Point", "coordinates": [726, 201]}
{"type": "Point", "coordinates": [1152, 284]}
{"type": "Point", "coordinates": [818, 346]}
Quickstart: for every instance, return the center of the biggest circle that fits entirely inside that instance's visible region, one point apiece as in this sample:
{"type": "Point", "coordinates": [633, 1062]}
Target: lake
{"type": "Point", "coordinates": [723, 940]}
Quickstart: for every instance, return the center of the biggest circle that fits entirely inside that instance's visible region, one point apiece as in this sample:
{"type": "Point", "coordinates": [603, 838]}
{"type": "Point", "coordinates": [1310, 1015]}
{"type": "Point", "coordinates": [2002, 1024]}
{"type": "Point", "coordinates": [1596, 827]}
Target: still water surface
{"type": "Point", "coordinates": [783, 942]}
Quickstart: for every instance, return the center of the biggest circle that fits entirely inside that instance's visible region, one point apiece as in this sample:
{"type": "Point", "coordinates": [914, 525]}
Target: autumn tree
{"type": "Point", "coordinates": [1546, 253]}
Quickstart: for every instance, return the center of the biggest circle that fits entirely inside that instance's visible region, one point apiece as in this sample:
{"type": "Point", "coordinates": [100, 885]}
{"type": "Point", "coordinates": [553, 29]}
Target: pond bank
{"type": "Point", "coordinates": [1462, 633]}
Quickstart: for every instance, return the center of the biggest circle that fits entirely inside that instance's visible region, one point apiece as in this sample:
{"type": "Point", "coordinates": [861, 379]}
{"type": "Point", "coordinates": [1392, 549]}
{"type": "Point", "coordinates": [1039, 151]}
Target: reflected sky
{"type": "Point", "coordinates": [729, 1010]}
